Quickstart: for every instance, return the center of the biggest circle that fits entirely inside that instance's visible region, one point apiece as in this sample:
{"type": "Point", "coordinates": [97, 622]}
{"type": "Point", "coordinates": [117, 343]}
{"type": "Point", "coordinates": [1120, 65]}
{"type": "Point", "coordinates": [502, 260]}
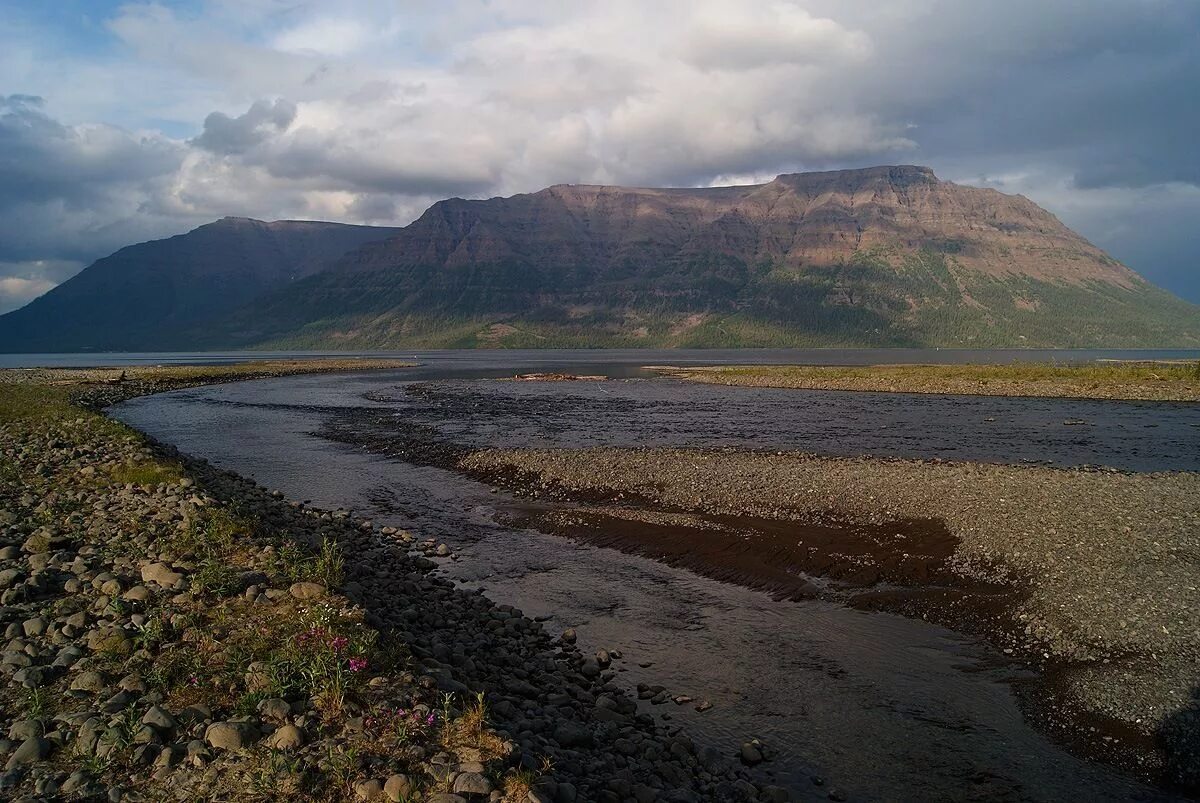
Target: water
{"type": "Point", "coordinates": [883, 707]}
{"type": "Point", "coordinates": [469, 359]}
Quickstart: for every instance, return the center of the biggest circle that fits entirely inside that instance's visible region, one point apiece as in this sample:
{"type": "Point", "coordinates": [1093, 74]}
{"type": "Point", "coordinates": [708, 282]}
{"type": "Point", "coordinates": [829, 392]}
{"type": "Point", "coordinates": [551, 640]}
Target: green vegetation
{"type": "Point", "coordinates": [205, 641]}
{"type": "Point", "coordinates": [1163, 381]}
{"type": "Point", "coordinates": [879, 298]}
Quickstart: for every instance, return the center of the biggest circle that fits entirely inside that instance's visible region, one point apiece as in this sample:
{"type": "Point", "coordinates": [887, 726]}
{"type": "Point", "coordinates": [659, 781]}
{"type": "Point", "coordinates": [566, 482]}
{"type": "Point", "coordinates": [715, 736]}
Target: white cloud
{"type": "Point", "coordinates": [288, 108]}
{"type": "Point", "coordinates": [16, 292]}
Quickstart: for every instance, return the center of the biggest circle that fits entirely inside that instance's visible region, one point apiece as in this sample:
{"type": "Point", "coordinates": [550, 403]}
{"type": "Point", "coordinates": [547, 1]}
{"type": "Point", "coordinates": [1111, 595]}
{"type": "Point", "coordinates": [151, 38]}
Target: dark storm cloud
{"type": "Point", "coordinates": [1104, 90]}
{"type": "Point", "coordinates": [42, 160]}
{"type": "Point", "coordinates": [229, 135]}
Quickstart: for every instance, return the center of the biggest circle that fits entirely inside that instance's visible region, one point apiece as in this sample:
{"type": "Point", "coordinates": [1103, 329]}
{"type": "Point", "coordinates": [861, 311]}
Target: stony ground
{"type": "Point", "coordinates": [1108, 564]}
{"type": "Point", "coordinates": [1145, 381]}
{"type": "Point", "coordinates": [172, 631]}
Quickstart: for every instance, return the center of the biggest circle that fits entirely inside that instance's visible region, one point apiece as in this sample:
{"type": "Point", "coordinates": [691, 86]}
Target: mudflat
{"type": "Point", "coordinates": [1132, 380]}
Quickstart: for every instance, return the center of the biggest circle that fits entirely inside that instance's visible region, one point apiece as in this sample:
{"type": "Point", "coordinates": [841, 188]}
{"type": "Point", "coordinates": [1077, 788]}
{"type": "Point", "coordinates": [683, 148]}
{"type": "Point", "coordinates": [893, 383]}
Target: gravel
{"type": "Point", "coordinates": [1106, 562]}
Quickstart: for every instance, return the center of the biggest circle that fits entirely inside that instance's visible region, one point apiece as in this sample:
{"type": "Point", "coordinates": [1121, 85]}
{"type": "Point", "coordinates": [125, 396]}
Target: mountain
{"type": "Point", "coordinates": [884, 256]}
{"type": "Point", "coordinates": [148, 297]}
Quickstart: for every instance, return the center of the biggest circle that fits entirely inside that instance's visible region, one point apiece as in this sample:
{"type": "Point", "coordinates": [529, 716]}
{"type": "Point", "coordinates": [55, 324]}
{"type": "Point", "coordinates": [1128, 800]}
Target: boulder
{"type": "Point", "coordinates": [230, 735]}
{"type": "Point", "coordinates": [289, 737]}
{"type": "Point", "coordinates": [307, 590]}
{"type": "Point", "coordinates": [160, 574]}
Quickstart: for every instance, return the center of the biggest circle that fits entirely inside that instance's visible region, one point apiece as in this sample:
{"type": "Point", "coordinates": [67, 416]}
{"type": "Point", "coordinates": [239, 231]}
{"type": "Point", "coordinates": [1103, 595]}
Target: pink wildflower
{"type": "Point", "coordinates": [358, 664]}
{"type": "Point", "coordinates": [338, 643]}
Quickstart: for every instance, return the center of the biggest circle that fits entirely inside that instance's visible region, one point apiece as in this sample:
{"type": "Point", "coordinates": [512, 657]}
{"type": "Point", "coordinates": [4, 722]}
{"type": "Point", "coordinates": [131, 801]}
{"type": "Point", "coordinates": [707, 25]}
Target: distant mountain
{"type": "Point", "coordinates": [883, 256]}
{"type": "Point", "coordinates": [151, 296]}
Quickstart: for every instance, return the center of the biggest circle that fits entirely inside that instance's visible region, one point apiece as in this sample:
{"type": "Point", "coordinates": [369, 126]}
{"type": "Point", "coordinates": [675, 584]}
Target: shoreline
{"type": "Point", "coordinates": [1081, 575]}
{"type": "Point", "coordinates": [1115, 381]}
{"type": "Point", "coordinates": [174, 630]}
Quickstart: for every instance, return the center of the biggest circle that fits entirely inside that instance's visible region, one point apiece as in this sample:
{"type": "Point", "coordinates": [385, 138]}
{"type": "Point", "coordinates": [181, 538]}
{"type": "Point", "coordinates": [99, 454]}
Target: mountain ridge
{"type": "Point", "coordinates": [880, 256]}
{"type": "Point", "coordinates": [148, 295]}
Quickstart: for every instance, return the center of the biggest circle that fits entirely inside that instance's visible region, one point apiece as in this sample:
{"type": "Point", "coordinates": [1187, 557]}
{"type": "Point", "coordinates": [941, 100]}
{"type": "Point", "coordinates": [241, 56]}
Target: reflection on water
{"type": "Point", "coordinates": [881, 706]}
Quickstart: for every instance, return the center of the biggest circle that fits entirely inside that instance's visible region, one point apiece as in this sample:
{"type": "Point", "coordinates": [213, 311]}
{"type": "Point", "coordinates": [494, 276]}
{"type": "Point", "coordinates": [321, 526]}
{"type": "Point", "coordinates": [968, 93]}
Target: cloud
{"type": "Point", "coordinates": [229, 135]}
{"type": "Point", "coordinates": [42, 159]}
{"type": "Point", "coordinates": [21, 282]}
{"type": "Point", "coordinates": [284, 108]}
{"type": "Point", "coordinates": [16, 291]}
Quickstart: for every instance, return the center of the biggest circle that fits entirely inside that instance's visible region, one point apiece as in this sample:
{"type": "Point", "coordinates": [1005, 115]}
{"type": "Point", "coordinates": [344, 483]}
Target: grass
{"type": "Point", "coordinates": [217, 647]}
{"type": "Point", "coordinates": [146, 474]}
{"type": "Point", "coordinates": [1022, 372]}
{"type": "Point", "coordinates": [1179, 381]}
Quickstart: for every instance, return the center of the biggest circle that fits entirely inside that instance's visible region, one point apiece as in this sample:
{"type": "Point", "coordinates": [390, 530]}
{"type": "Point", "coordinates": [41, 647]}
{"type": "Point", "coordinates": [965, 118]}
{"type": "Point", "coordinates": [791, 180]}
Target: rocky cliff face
{"type": "Point", "coordinates": [884, 256]}
{"type": "Point", "coordinates": [880, 256]}
{"type": "Point", "coordinates": [147, 297]}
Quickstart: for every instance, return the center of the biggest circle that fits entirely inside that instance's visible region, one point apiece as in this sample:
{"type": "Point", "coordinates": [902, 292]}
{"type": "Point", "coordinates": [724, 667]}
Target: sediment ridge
{"type": "Point", "coordinates": [1167, 381]}
{"type": "Point", "coordinates": [1089, 576]}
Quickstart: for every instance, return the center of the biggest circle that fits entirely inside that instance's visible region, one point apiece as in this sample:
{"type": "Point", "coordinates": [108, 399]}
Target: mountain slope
{"type": "Point", "coordinates": [147, 297]}
{"type": "Point", "coordinates": [878, 256]}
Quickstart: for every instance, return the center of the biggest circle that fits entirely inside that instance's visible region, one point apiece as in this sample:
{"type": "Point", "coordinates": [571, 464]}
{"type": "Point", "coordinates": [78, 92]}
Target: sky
{"type": "Point", "coordinates": [127, 121]}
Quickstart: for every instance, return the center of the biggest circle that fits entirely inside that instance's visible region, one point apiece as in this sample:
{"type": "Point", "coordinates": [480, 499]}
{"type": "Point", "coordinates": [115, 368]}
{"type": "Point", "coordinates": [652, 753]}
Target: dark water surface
{"type": "Point", "coordinates": [470, 358]}
{"type": "Point", "coordinates": [883, 707]}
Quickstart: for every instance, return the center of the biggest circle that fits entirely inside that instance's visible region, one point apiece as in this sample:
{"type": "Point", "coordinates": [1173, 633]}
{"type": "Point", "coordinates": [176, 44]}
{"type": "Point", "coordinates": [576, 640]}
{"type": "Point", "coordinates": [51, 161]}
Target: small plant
{"type": "Point", "coordinates": [36, 704]}
{"type": "Point", "coordinates": [330, 566]}
{"type": "Point", "coordinates": [518, 784]}
{"type": "Point", "coordinates": [326, 658]}
{"type": "Point", "coordinates": [342, 767]}
{"type": "Point", "coordinates": [145, 474]}
{"type": "Point", "coordinates": [474, 718]}
{"type": "Point", "coordinates": [293, 563]}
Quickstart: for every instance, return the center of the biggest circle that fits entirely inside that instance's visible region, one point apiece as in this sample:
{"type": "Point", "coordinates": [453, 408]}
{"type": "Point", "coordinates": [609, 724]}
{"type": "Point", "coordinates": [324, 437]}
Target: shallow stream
{"type": "Point", "coordinates": [879, 706]}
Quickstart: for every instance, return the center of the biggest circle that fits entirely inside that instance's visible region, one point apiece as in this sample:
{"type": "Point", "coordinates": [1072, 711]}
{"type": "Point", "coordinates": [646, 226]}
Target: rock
{"type": "Point", "coordinates": [111, 640]}
{"type": "Point", "coordinates": [35, 626]}
{"type": "Point", "coordinates": [289, 737]}
{"type": "Point", "coordinates": [307, 590]}
{"type": "Point", "coordinates": [258, 676]}
{"type": "Point", "coordinates": [35, 748]}
{"type": "Point", "coordinates": [275, 709]}
{"type": "Point", "coordinates": [568, 636]}
{"type": "Point", "coordinates": [24, 729]}
{"type": "Point", "coordinates": [160, 574]}
{"type": "Point", "coordinates": [368, 790]}
{"type": "Point", "coordinates": [751, 754]}
{"type": "Point", "coordinates": [471, 783]}
{"type": "Point", "coordinates": [160, 718]}
{"type": "Point", "coordinates": [572, 734]}
{"type": "Point", "coordinates": [138, 593]}
{"type": "Point", "coordinates": [9, 578]}
{"type": "Point", "coordinates": [397, 788]}
{"type": "Point", "coordinates": [91, 682]}
{"type": "Point", "coordinates": [230, 735]}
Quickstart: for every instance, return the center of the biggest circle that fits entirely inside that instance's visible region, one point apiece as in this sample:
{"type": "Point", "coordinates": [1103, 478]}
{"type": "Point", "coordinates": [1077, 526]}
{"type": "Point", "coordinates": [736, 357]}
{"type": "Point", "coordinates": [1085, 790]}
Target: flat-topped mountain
{"type": "Point", "coordinates": [149, 296]}
{"type": "Point", "coordinates": [877, 256]}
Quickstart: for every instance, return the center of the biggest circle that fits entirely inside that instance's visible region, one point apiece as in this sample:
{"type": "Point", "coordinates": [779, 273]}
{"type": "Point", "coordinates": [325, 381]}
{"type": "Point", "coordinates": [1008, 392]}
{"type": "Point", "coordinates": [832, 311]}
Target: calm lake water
{"type": "Point", "coordinates": [884, 707]}
{"type": "Point", "coordinates": [469, 358]}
